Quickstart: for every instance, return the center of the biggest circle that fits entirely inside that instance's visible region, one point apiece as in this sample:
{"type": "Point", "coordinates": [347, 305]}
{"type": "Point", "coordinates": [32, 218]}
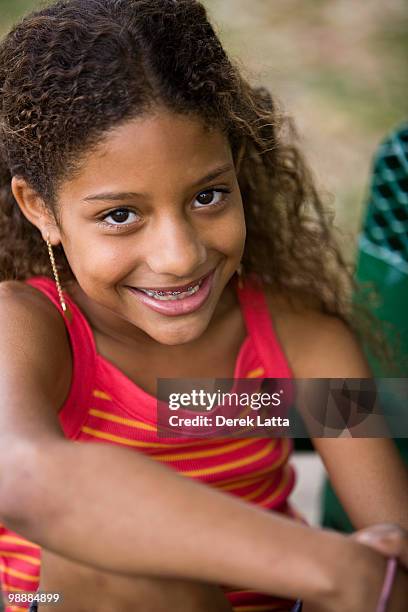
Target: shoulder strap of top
{"type": "Point", "coordinates": [83, 355]}
{"type": "Point", "coordinates": [260, 327]}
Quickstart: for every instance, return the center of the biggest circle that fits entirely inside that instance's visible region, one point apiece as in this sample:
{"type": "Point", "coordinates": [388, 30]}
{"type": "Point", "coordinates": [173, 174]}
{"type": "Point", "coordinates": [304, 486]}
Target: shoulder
{"type": "Point", "coordinates": [24, 301]}
{"type": "Point", "coordinates": [34, 334]}
{"type": "Point", "coordinates": [317, 345]}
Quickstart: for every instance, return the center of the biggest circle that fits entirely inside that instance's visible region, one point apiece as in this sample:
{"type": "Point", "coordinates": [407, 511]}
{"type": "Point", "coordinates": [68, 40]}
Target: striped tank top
{"type": "Point", "coordinates": [105, 406]}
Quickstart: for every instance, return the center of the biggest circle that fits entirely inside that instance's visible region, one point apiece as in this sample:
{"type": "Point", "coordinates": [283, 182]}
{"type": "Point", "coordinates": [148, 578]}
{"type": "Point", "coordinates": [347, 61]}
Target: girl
{"type": "Point", "coordinates": [139, 172]}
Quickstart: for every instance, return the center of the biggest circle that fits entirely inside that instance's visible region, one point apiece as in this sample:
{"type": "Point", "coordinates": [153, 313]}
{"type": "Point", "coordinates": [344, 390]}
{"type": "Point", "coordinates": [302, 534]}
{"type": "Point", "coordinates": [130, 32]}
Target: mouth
{"type": "Point", "coordinates": [165, 294]}
{"type": "Point", "coordinates": [173, 301]}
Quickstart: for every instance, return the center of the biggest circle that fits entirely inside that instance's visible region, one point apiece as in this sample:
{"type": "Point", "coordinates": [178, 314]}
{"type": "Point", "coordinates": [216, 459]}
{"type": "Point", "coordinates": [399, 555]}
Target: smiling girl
{"type": "Point", "coordinates": [140, 176]}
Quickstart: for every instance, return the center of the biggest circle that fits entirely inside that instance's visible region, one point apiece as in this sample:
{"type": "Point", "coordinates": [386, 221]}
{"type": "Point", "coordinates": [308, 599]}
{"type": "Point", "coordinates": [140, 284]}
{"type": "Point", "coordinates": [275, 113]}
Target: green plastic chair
{"type": "Point", "coordinates": [383, 260]}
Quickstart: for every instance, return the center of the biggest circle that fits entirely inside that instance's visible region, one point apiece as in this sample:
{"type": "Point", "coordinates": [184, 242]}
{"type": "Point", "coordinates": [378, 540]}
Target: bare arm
{"type": "Point", "coordinates": [368, 474]}
{"type": "Point", "coordinates": [76, 499]}
{"type": "Point", "coordinates": [372, 484]}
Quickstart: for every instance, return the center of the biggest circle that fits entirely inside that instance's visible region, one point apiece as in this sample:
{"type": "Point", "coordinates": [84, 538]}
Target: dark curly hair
{"type": "Point", "coordinates": [77, 68]}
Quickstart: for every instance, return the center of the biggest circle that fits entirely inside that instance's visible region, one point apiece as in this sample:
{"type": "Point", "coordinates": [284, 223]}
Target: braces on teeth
{"type": "Point", "coordinates": [172, 295]}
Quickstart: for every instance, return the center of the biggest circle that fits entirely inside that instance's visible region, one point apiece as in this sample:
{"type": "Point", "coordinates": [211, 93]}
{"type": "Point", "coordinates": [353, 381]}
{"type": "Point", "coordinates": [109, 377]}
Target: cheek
{"type": "Point", "coordinates": [231, 232]}
{"type": "Point", "coordinates": [100, 260]}
{"type": "Point", "coordinates": [240, 232]}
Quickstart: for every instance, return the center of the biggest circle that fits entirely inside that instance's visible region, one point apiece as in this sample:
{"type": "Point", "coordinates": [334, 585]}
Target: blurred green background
{"type": "Point", "coordinates": [337, 66]}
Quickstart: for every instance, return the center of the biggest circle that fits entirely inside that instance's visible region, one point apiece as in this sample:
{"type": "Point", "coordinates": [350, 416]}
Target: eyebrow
{"type": "Point", "coordinates": [126, 195]}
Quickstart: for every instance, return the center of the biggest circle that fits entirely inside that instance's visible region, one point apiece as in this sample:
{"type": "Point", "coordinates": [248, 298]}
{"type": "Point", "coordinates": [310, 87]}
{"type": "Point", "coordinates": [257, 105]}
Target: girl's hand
{"type": "Point", "coordinates": [357, 574]}
{"type": "Point", "coordinates": [387, 538]}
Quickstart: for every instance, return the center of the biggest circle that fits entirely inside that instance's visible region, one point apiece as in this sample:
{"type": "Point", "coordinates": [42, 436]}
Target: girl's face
{"type": "Point", "coordinates": [155, 208]}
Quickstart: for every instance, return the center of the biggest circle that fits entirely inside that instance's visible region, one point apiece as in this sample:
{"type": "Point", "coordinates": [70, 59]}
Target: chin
{"type": "Point", "coordinates": [183, 335]}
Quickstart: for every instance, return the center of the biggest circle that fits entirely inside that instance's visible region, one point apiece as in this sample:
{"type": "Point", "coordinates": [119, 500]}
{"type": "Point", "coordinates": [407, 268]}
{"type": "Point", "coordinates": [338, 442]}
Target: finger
{"type": "Point", "coordinates": [390, 540]}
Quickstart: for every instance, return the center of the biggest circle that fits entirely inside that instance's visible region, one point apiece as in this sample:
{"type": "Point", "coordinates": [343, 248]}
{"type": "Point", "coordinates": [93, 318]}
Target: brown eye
{"type": "Point", "coordinates": [211, 197]}
{"type": "Point", "coordinates": [206, 197]}
{"type": "Point", "coordinates": [120, 216]}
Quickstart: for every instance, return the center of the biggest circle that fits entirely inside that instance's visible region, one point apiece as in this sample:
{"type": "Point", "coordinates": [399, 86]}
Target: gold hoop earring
{"type": "Point", "coordinates": [56, 277]}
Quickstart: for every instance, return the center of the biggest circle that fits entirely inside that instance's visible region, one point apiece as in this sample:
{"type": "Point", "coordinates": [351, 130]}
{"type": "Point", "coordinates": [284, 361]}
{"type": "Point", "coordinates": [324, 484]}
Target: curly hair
{"type": "Point", "coordinates": [77, 68]}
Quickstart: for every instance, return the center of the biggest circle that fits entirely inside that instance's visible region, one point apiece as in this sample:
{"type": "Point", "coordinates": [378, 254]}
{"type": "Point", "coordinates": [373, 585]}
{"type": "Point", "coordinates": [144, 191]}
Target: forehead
{"type": "Point", "coordinates": [159, 147]}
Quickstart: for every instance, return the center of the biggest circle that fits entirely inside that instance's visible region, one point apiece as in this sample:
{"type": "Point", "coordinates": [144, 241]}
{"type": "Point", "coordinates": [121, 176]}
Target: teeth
{"type": "Point", "coordinates": [171, 296]}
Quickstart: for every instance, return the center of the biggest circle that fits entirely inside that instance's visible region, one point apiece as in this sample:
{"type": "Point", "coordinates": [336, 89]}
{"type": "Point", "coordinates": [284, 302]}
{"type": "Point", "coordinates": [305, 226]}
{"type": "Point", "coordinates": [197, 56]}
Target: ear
{"type": "Point", "coordinates": [34, 209]}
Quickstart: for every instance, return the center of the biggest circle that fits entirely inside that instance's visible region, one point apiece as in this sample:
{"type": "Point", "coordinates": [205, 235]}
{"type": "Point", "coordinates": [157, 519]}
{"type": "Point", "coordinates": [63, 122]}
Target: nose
{"type": "Point", "coordinates": [174, 248]}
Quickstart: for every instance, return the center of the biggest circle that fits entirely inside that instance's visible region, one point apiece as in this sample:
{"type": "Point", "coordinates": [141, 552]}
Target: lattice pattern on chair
{"type": "Point", "coordinates": [386, 224]}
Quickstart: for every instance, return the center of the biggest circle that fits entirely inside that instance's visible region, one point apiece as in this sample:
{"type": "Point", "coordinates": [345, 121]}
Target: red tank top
{"type": "Point", "coordinates": [105, 406]}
